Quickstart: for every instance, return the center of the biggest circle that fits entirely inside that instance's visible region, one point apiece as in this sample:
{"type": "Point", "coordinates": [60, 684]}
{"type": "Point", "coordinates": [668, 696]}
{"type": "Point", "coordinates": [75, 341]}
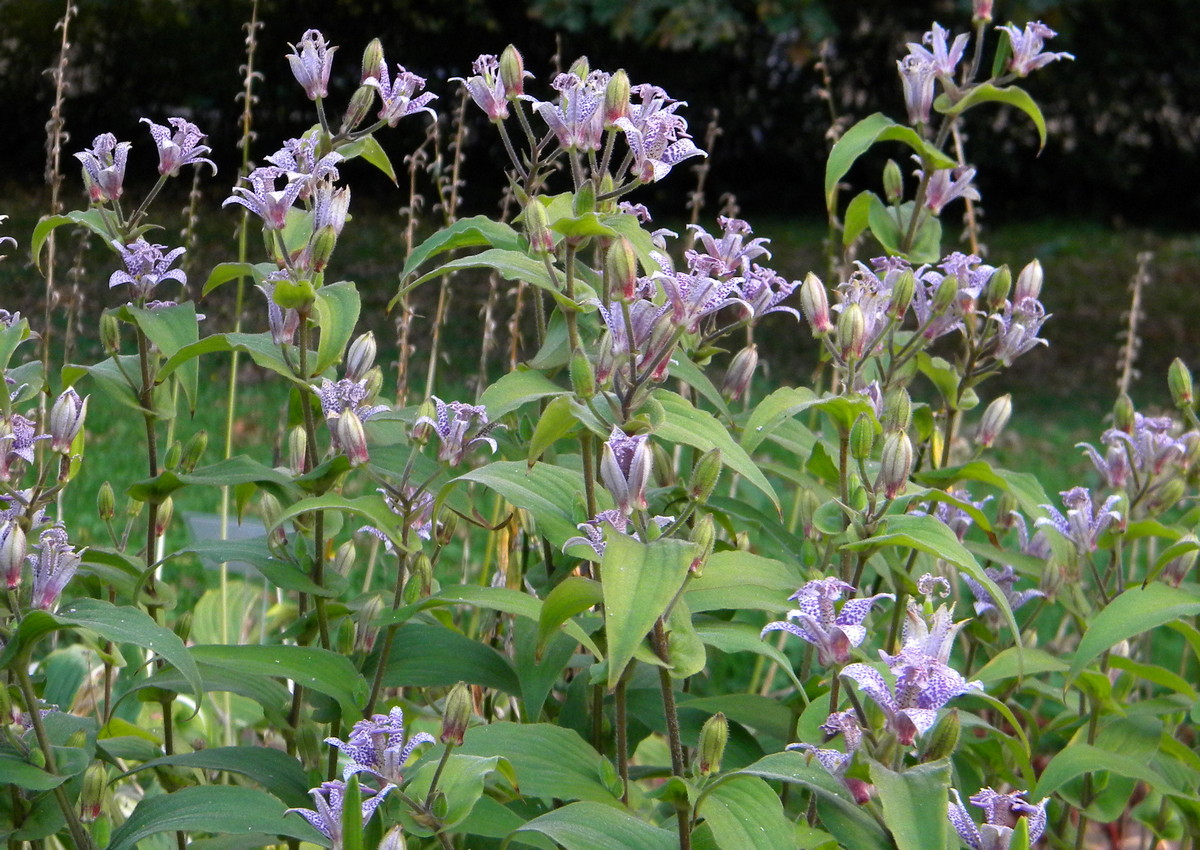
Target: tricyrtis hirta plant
{"type": "Point", "coordinates": [560, 609]}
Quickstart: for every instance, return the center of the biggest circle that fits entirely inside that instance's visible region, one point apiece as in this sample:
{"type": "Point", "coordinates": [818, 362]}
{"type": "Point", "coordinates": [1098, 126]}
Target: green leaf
{"type": "Point", "coordinates": [370, 150]}
{"type": "Point", "coordinates": [337, 307]}
{"type": "Point", "coordinates": [464, 233]}
{"type": "Point", "coordinates": [280, 573]}
{"type": "Point", "coordinates": [22, 774]}
{"type": "Point", "coordinates": [764, 715]}
{"type": "Point", "coordinates": [549, 761]}
{"type": "Point", "coordinates": [504, 599]}
{"type": "Point", "coordinates": [988, 93]}
{"type": "Point", "coordinates": [557, 421]}
{"type": "Point", "coordinates": [225, 272]}
{"type": "Point", "coordinates": [371, 508]}
{"type": "Point", "coordinates": [914, 803]}
{"type": "Point", "coordinates": [639, 580]}
{"type": "Point", "coordinates": [229, 472]}
{"type": "Point", "coordinates": [316, 669]}
{"type": "Point", "coordinates": [864, 134]}
{"type": "Point", "coordinates": [685, 370]}
{"type": "Point", "coordinates": [434, 656]}
{"type": "Point", "coordinates": [92, 219]}
{"type": "Point", "coordinates": [274, 770]}
{"type": "Point", "coordinates": [691, 426]}
{"type": "Point", "coordinates": [516, 389]}
{"type": "Point", "coordinates": [272, 696]}
{"type": "Point", "coordinates": [1019, 661]}
{"type": "Point", "coordinates": [210, 808]}
{"type": "Point", "coordinates": [461, 782]}
{"type": "Point", "coordinates": [742, 637]}
{"type": "Point", "coordinates": [747, 813]}
{"type": "Point", "coordinates": [1135, 611]}
{"type": "Point", "coordinates": [590, 826]}
{"type": "Point", "coordinates": [855, 219]}
{"type": "Point", "coordinates": [1079, 758]}
{"type": "Point", "coordinates": [511, 265]}
{"type": "Point", "coordinates": [548, 492]}
{"type": "Point", "coordinates": [579, 226]}
{"type": "Point", "coordinates": [735, 579]}
{"type": "Point", "coordinates": [110, 377]}
{"type": "Point", "coordinates": [573, 595]}
{"type": "Point", "coordinates": [171, 329]}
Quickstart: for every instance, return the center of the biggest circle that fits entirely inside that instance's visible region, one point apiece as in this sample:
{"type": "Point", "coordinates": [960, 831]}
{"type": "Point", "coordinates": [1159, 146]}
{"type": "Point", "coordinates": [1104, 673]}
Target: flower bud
{"type": "Point", "coordinates": [740, 373]}
{"type": "Point", "coordinates": [91, 795]}
{"type": "Point", "coordinates": [162, 519]}
{"type": "Point", "coordinates": [616, 98]}
{"type": "Point", "coordinates": [346, 638]}
{"type": "Point", "coordinates": [344, 558]}
{"type": "Point", "coordinates": [183, 626]}
{"type": "Point", "coordinates": [13, 548]}
{"type": "Point", "coordinates": [814, 304]}
{"type": "Point", "coordinates": [1029, 282]}
{"type": "Point", "coordinates": [193, 451]}
{"type": "Point", "coordinates": [1179, 380]}
{"type": "Point", "coordinates": [537, 227]}
{"type": "Point", "coordinates": [893, 182]}
{"type": "Point", "coordinates": [366, 631]}
{"type": "Point", "coordinates": [902, 295]}
{"type": "Point", "coordinates": [372, 58]}
{"type": "Point", "coordinates": [1166, 496]}
{"type": "Point", "coordinates": [110, 334]}
{"type": "Point", "coordinates": [298, 450]}
{"type": "Point", "coordinates": [943, 740]}
{"type": "Point", "coordinates": [420, 581]}
{"type": "Point", "coordinates": [862, 437]}
{"type": "Point", "coordinates": [456, 714]}
{"type": "Point", "coordinates": [106, 502]}
{"type": "Point", "coordinates": [806, 512]}
{"type": "Point", "coordinates": [714, 735]}
{"type": "Point", "coordinates": [173, 456]}
{"type": "Point", "coordinates": [320, 247]}
{"type": "Point", "coordinates": [445, 526]}
{"type": "Point", "coordinates": [608, 205]}
{"type": "Point", "coordinates": [373, 383]}
{"type": "Point", "coordinates": [621, 265]}
{"type": "Point", "coordinates": [897, 410]}
{"type": "Point", "coordinates": [981, 11]}
{"type": "Point", "coordinates": [580, 68]}
{"type": "Point", "coordinates": [1123, 414]}
{"type": "Point", "coordinates": [704, 535]}
{"type": "Point", "coordinates": [705, 474]}
{"type": "Point", "coordinates": [359, 107]}
{"type": "Point", "coordinates": [361, 356]}
{"type": "Point", "coordinates": [995, 293]}
{"type": "Point", "coordinates": [133, 507]}
{"type": "Point", "coordinates": [851, 332]}
{"type": "Point", "coordinates": [66, 420]}
{"type": "Point", "coordinates": [350, 438]}
{"type": "Point", "coordinates": [625, 466]}
{"type": "Point", "coordinates": [394, 840]}
{"type": "Point", "coordinates": [512, 72]}
{"type": "Point", "coordinates": [946, 294]}
{"type": "Point", "coordinates": [994, 419]}
{"type": "Point", "coordinates": [584, 200]}
{"type": "Point", "coordinates": [270, 510]}
{"type": "Point", "coordinates": [896, 463]}
{"type": "Point", "coordinates": [1177, 569]}
{"type": "Point", "coordinates": [583, 379]}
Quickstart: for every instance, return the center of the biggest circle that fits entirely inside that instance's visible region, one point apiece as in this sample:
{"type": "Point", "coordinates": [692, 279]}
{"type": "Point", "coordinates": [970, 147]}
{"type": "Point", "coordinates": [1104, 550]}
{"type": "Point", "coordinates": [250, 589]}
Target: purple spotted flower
{"type": "Point", "coordinates": [625, 469]}
{"type": "Point", "coordinates": [1005, 578]}
{"type": "Point", "coordinates": [263, 199]}
{"type": "Point", "coordinates": [146, 266]}
{"type": "Point", "coordinates": [54, 565]}
{"type": "Point", "coordinates": [926, 633]}
{"type": "Point", "coordinates": [1000, 814]}
{"type": "Point", "coordinates": [763, 290]}
{"type": "Point", "coordinates": [917, 76]}
{"type": "Point", "coordinates": [633, 339]}
{"type": "Point", "coordinates": [104, 167]}
{"type": "Point", "coordinates": [729, 255]}
{"type": "Point", "coordinates": [1083, 524]}
{"type": "Point", "coordinates": [1151, 443]}
{"type": "Point", "coordinates": [948, 184]}
{"type": "Point", "coordinates": [312, 62]}
{"type": "Point", "coordinates": [327, 817]}
{"type": "Point", "coordinates": [692, 297]}
{"type": "Point", "coordinates": [459, 426]}
{"type": "Point", "coordinates": [1027, 47]}
{"type": "Point", "coordinates": [593, 530]}
{"type": "Point", "coordinates": [379, 746]}
{"type": "Point", "coordinates": [1017, 328]}
{"type": "Point", "coordinates": [17, 438]}
{"type": "Point", "coordinates": [658, 146]}
{"type": "Point", "coordinates": [576, 120]}
{"type": "Point", "coordinates": [283, 322]}
{"type": "Point", "coordinates": [397, 95]}
{"type": "Point", "coordinates": [923, 685]}
{"type": "Point", "coordinates": [486, 87]}
{"type": "Point", "coordinates": [337, 397]}
{"type": "Point", "coordinates": [834, 633]}
{"type": "Point", "coordinates": [941, 56]}
{"type": "Point", "coordinates": [299, 161]}
{"type": "Point", "coordinates": [179, 148]}
{"type": "Point", "coordinates": [835, 762]}
{"type": "Point", "coordinates": [414, 505]}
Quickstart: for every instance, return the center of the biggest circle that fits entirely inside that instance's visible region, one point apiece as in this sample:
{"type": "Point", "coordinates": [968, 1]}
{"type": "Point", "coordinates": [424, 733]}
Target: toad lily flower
{"type": "Point", "coordinates": [657, 148]}
{"type": "Point", "coordinates": [833, 633]}
{"type": "Point", "coordinates": [264, 200]}
{"type": "Point", "coordinates": [486, 87]}
{"type": "Point", "coordinates": [577, 120]}
{"type": "Point", "coordinates": [948, 184]}
{"type": "Point", "coordinates": [179, 148]}
{"type": "Point", "coordinates": [327, 817]}
{"type": "Point", "coordinates": [397, 95]}
{"type": "Point", "coordinates": [54, 566]}
{"type": "Point", "coordinates": [917, 76]}
{"type": "Point", "coordinates": [298, 159]}
{"type": "Point", "coordinates": [1004, 578]}
{"type": "Point", "coordinates": [594, 530]}
{"type": "Point", "coordinates": [459, 426]}
{"type": "Point", "coordinates": [923, 685]}
{"type": "Point", "coordinates": [338, 397]}
{"type": "Point", "coordinates": [146, 267]}
{"type": "Point", "coordinates": [1082, 525]}
{"type": "Point", "coordinates": [311, 63]}
{"type": "Point", "coordinates": [1027, 52]}
{"type": "Point", "coordinates": [379, 746]}
{"type": "Point", "coordinates": [941, 57]}
{"type": "Point", "coordinates": [1001, 812]}
{"type": "Point", "coordinates": [104, 167]}
{"type": "Point", "coordinates": [625, 469]}
{"type": "Point", "coordinates": [836, 761]}
{"type": "Point", "coordinates": [728, 255]}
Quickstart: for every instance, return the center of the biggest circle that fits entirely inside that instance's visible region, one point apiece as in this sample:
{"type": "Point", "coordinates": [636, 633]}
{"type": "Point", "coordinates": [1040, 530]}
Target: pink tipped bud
{"type": "Point", "coordinates": [740, 373]}
{"type": "Point", "coordinates": [13, 547]}
{"type": "Point", "coordinates": [350, 437]}
{"type": "Point", "coordinates": [1179, 381]}
{"type": "Point", "coordinates": [714, 735]}
{"type": "Point", "coordinates": [981, 11]}
{"type": "Point", "coordinates": [622, 269]}
{"type": "Point", "coordinates": [372, 58]}
{"type": "Point", "coordinates": [994, 419]}
{"type": "Point", "coordinates": [162, 520]}
{"type": "Point", "coordinates": [1029, 283]}
{"type": "Point", "coordinates": [705, 475]}
{"type": "Point", "coordinates": [852, 332]}
{"type": "Point", "coordinates": [814, 304]}
{"type": "Point", "coordinates": [513, 73]}
{"type": "Point", "coordinates": [902, 295]}
{"type": "Point", "coordinates": [862, 437]}
{"type": "Point", "coordinates": [456, 715]}
{"type": "Point", "coordinates": [66, 420]}
{"type": "Point", "coordinates": [1123, 414]}
{"type": "Point", "coordinates": [995, 294]}
{"type": "Point", "coordinates": [616, 98]}
{"type": "Point", "coordinates": [945, 295]}
{"type": "Point", "coordinates": [537, 227]}
{"type": "Point", "coordinates": [897, 409]}
{"type": "Point", "coordinates": [361, 356]}
{"type": "Point", "coordinates": [359, 107]}
{"type": "Point", "coordinates": [896, 463]}
{"type": "Point", "coordinates": [298, 450]}
{"type": "Point", "coordinates": [893, 182]}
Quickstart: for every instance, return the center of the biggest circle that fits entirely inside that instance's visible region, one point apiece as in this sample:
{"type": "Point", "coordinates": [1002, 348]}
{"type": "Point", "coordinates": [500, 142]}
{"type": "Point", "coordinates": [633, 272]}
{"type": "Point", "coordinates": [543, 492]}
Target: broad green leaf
{"type": "Point", "coordinates": [1024, 487]}
{"type": "Point", "coordinates": [855, 219]}
{"type": "Point", "coordinates": [573, 595]}
{"type": "Point", "coordinates": [111, 377]}
{"type": "Point", "coordinates": [691, 426]}
{"type": "Point", "coordinates": [557, 421]}
{"type": "Point", "coordinates": [371, 508]}
{"type": "Point", "coordinates": [225, 272]}
{"type": "Point", "coordinates": [261, 348]}
{"type": "Point", "coordinates": [639, 580]}
{"type": "Point", "coordinates": [864, 134]}
{"type": "Point", "coordinates": [210, 808]}
{"type": "Point", "coordinates": [747, 813]}
{"type": "Point", "coordinates": [1019, 661]}
{"type": "Point", "coordinates": [914, 803]}
{"type": "Point", "coordinates": [92, 219]}
{"type": "Point", "coordinates": [579, 226]}
{"type": "Point", "coordinates": [549, 761]}
{"type": "Point", "coordinates": [337, 307]}
{"type": "Point", "coordinates": [733, 636]}
{"type": "Point", "coordinates": [274, 770]}
{"type": "Point", "coordinates": [272, 696]}
{"type": "Point", "coordinates": [750, 518]}
{"type": "Point", "coordinates": [316, 669]}
{"type": "Point", "coordinates": [22, 774]}
{"type": "Point", "coordinates": [1135, 611]}
{"type": "Point", "coordinates": [511, 265]}
{"type": "Point", "coordinates": [735, 579]}
{"type": "Point", "coordinates": [504, 599]}
{"type": "Point", "coordinates": [1079, 758]}
{"type": "Point", "coordinates": [1156, 674]}
{"type": "Point", "coordinates": [764, 715]}
{"type": "Point", "coordinates": [685, 370]}
{"type": "Point", "coordinates": [279, 573]}
{"type": "Point", "coordinates": [548, 492]}
{"type": "Point", "coordinates": [890, 226]}
{"type": "Point", "coordinates": [461, 783]}
{"type": "Point", "coordinates": [229, 472]}
{"type": "Point", "coordinates": [686, 655]}
{"type": "Point", "coordinates": [369, 149]}
{"type": "Point", "coordinates": [171, 329]}
{"type": "Point", "coordinates": [434, 656]}
{"type": "Point", "coordinates": [1177, 549]}
{"type": "Point", "coordinates": [772, 410]}
{"type": "Point", "coordinates": [464, 233]}
{"type": "Point", "coordinates": [516, 389]}
{"type": "Point", "coordinates": [946, 378]}
{"type": "Point", "coordinates": [988, 93]}
{"type": "Point", "coordinates": [591, 826]}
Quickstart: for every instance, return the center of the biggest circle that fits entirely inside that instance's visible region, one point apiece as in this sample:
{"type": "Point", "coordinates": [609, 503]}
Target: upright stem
{"type": "Point", "coordinates": [659, 638]}
{"type": "Point", "coordinates": [622, 740]}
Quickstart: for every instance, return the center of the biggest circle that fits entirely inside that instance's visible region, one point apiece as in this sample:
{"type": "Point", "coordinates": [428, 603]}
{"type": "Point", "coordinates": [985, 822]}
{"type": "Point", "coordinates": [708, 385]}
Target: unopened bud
{"type": "Point", "coordinates": [814, 304]}
{"type": "Point", "coordinates": [13, 548]}
{"type": "Point", "coordinates": [994, 419]}
{"type": "Point", "coordinates": [372, 58]}
{"type": "Point", "coordinates": [945, 295]}
{"type": "Point", "coordinates": [584, 200]}
{"type": "Point", "coordinates": [862, 437]}
{"type": "Point", "coordinates": [420, 581]}
{"type": "Point", "coordinates": [1029, 282]}
{"type": "Point", "coordinates": [896, 463]}
{"type": "Point", "coordinates": [456, 715]}
{"type": "Point", "coordinates": [133, 507]}
{"type": "Point", "coordinates": [1166, 496]}
{"type": "Point", "coordinates": [512, 72]}
{"type": "Point", "coordinates": [445, 526]}
{"type": "Point", "coordinates": [162, 520]}
{"type": "Point", "coordinates": [298, 450]}
{"type": "Point", "coordinates": [350, 437]}
{"type": "Point", "coordinates": [704, 535]}
{"type": "Point", "coordinates": [608, 205]}
{"type": "Point", "coordinates": [580, 68]}
{"type": "Point", "coordinates": [981, 11]}
{"type": "Point", "coordinates": [1123, 414]}
{"type": "Point", "coordinates": [66, 420]}
{"type": "Point", "coordinates": [106, 502]}
{"type": "Point", "coordinates": [897, 410]}
{"type": "Point", "coordinates": [995, 293]}
{"type": "Point", "coordinates": [902, 295]}
{"type": "Point", "coordinates": [893, 182]}
{"type": "Point", "coordinates": [806, 512]}
{"type": "Point", "coordinates": [1179, 380]}
{"type": "Point", "coordinates": [583, 379]}
{"type": "Point", "coordinates": [91, 795]}
{"type": "Point", "coordinates": [622, 269]}
{"type": "Point", "coordinates": [740, 373]}
{"type": "Point", "coordinates": [852, 332]}
{"type": "Point", "coordinates": [270, 509]}
{"type": "Point", "coordinates": [173, 456]}
{"type": "Point", "coordinates": [183, 626]}
{"type": "Point", "coordinates": [361, 103]}
{"type": "Point", "coordinates": [193, 451]}
{"type": "Point", "coordinates": [344, 558]}
{"type": "Point", "coordinates": [943, 740]}
{"type": "Point", "coordinates": [367, 631]}
{"type": "Point", "coordinates": [1177, 569]}
{"type": "Point", "coordinates": [372, 383]}
{"type": "Point", "coordinates": [714, 735]}
{"type": "Point", "coordinates": [537, 227]}
{"type": "Point", "coordinates": [361, 356]}
{"type": "Point", "coordinates": [616, 98]}
{"type": "Point", "coordinates": [110, 334]}
{"type": "Point", "coordinates": [393, 840]}
{"type": "Point", "coordinates": [705, 474]}
{"type": "Point", "coordinates": [346, 638]}
{"type": "Point", "coordinates": [321, 247]}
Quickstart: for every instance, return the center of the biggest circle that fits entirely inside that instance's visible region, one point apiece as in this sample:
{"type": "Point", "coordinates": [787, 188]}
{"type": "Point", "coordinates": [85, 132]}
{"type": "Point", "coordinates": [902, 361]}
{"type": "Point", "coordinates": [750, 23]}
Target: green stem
{"type": "Point", "coordinates": [622, 740]}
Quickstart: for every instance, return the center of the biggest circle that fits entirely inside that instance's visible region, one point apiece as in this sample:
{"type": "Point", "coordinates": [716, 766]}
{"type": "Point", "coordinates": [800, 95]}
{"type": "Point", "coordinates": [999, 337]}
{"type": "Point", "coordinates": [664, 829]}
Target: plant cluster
{"type": "Point", "coordinates": [524, 619]}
